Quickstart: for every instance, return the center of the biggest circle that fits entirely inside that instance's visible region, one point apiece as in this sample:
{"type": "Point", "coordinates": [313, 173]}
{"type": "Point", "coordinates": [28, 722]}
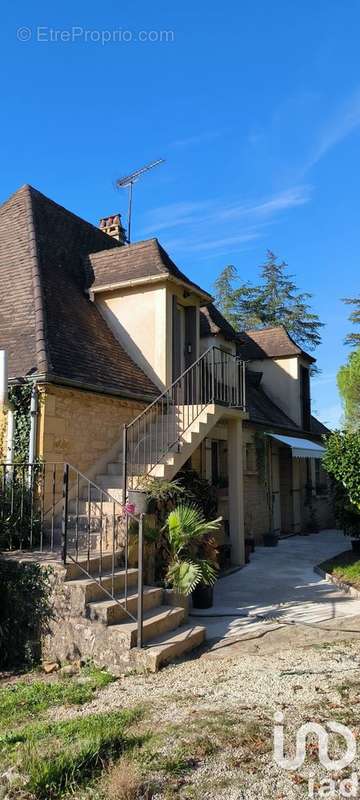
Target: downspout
{"type": "Point", "coordinates": [33, 428]}
{"type": "Point", "coordinates": [8, 407]}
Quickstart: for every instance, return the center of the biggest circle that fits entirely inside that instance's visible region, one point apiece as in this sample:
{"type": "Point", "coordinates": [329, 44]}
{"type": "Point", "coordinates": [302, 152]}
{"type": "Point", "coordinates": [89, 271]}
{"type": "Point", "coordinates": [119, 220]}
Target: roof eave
{"type": "Point", "coordinates": [99, 388]}
{"type": "Point", "coordinates": [133, 282]}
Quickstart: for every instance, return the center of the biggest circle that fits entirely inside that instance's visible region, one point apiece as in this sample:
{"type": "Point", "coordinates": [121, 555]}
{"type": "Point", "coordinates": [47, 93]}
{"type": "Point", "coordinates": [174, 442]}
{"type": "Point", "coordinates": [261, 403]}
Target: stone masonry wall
{"type": "Point", "coordinates": [73, 635]}
{"type": "Point", "coordinates": [80, 427]}
{"type": "Point", "coordinates": [2, 433]}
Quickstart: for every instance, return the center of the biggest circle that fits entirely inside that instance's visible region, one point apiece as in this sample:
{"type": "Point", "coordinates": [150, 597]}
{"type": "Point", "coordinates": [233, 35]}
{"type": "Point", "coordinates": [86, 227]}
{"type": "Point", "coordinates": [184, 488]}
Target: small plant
{"type": "Point", "coordinates": [192, 552]}
{"type": "Point", "coordinates": [199, 491]}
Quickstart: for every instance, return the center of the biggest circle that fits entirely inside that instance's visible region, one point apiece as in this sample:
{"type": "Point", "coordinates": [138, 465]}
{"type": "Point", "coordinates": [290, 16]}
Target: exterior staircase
{"type": "Point", "coordinates": [104, 610]}
{"type": "Point", "coordinates": [102, 627]}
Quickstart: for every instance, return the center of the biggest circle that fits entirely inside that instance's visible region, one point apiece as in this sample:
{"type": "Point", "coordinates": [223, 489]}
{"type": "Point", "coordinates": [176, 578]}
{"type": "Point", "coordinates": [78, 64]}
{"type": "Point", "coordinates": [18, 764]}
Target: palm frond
{"type": "Point", "coordinates": [184, 576]}
{"type": "Point", "coordinates": [186, 522]}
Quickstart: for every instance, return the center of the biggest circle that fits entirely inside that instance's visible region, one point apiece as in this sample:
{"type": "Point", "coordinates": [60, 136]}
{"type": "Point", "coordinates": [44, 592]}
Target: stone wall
{"type": "Point", "coordinates": [2, 433]}
{"type": "Point", "coordinates": [72, 635]}
{"type": "Point", "coordinates": [80, 427]}
{"type": "Point", "coordinates": [256, 512]}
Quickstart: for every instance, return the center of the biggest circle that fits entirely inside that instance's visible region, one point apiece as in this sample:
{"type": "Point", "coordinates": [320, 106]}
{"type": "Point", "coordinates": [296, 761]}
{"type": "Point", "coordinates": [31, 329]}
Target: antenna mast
{"type": "Point", "coordinates": [127, 182]}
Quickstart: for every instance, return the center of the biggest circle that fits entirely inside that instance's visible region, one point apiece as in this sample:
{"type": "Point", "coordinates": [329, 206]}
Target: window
{"type": "Point", "coordinates": [250, 458]}
{"type": "Point", "coordinates": [305, 398]}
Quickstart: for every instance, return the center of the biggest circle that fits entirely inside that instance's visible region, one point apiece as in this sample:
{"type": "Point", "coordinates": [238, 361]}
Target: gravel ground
{"type": "Point", "coordinates": [232, 701]}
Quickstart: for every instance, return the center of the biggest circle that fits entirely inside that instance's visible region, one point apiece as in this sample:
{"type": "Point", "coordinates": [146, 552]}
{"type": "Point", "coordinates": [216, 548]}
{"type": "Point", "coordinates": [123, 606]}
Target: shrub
{"type": "Point", "coordinates": [25, 612]}
{"type": "Point", "coordinates": [341, 460]}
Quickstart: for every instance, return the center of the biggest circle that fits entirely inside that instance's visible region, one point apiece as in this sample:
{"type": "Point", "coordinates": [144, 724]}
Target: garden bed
{"type": "Point", "coordinates": [343, 569]}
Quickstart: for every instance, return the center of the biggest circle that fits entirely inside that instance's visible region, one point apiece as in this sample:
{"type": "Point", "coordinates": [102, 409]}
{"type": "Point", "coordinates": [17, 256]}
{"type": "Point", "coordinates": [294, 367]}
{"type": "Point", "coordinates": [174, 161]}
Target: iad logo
{"type": "Point", "coordinates": [327, 787]}
{"type": "Point", "coordinates": [323, 742]}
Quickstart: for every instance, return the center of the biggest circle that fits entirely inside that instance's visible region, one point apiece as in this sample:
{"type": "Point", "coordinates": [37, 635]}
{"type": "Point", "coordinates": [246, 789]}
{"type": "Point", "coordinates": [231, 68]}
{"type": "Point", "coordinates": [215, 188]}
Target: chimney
{"type": "Point", "coordinates": [113, 227]}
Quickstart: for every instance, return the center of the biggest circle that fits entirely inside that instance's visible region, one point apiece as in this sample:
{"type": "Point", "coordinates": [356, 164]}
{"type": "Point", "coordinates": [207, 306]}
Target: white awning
{"type": "Point", "coordinates": [301, 448]}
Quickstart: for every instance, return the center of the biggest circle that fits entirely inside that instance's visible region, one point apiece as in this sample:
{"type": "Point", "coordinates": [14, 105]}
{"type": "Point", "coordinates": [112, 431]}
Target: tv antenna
{"type": "Point", "coordinates": [128, 181]}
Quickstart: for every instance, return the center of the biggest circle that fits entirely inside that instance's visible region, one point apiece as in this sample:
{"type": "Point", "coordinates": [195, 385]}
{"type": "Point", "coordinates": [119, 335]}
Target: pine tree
{"type": "Point", "coordinates": [353, 338]}
{"type": "Point", "coordinates": [283, 304]}
{"type": "Point", "coordinates": [276, 300]}
{"type": "Point", "coordinates": [238, 303]}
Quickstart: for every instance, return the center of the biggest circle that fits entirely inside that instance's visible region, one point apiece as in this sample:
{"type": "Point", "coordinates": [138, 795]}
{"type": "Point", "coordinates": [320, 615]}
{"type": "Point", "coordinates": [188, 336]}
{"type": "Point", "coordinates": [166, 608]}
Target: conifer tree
{"type": "Point", "coordinates": [275, 300]}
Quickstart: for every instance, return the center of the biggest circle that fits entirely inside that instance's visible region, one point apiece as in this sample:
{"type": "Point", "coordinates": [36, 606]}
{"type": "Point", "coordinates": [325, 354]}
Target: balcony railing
{"type": "Point", "coordinates": [217, 377]}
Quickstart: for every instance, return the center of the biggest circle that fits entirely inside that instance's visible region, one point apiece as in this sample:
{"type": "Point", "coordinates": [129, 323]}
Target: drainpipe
{"type": "Point", "coordinates": [4, 403]}
{"type": "Point", "coordinates": [33, 428]}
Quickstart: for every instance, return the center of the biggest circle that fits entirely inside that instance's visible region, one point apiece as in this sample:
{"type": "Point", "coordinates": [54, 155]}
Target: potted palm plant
{"type": "Point", "coordinates": [192, 566]}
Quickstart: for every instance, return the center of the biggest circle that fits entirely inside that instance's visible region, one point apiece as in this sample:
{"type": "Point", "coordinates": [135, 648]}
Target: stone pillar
{"type": "Point", "coordinates": [236, 491]}
{"type": "Point", "coordinates": [275, 488]}
{"type": "Point", "coordinates": [296, 493]}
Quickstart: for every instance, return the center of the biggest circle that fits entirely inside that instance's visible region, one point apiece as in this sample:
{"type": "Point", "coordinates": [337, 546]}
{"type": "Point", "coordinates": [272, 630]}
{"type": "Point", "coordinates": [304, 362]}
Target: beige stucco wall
{"type": "Point", "coordinates": [80, 427]}
{"type": "Point", "coordinates": [281, 382]}
{"type": "Point", "coordinates": [141, 319]}
{"type": "Point", "coordinates": [217, 341]}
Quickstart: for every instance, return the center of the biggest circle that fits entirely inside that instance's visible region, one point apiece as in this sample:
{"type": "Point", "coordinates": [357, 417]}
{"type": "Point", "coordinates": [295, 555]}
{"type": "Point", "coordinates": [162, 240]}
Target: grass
{"type": "Point", "coordinates": [59, 756]}
{"type": "Point", "coordinates": [345, 567]}
{"type": "Point", "coordinates": [115, 755]}
{"type": "Point", "coordinates": [22, 700]}
{"type": "Point", "coordinates": [53, 757]}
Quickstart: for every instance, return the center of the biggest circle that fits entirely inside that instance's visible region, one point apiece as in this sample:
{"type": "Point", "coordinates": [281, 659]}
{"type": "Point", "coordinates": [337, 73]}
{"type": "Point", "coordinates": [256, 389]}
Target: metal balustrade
{"type": "Point", "coordinates": [217, 377]}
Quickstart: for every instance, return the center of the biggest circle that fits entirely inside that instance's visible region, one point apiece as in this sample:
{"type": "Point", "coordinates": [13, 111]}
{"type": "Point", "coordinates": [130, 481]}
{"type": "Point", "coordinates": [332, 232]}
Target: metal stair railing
{"type": "Point", "coordinates": [217, 377]}
{"type": "Point", "coordinates": [48, 507]}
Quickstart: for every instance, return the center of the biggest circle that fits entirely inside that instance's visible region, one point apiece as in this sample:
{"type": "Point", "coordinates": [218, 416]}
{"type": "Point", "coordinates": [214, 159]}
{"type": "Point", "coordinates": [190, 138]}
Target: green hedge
{"type": "Point", "coordinates": [25, 612]}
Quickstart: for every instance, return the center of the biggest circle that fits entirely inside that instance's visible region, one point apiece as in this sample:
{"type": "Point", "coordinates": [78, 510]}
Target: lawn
{"type": "Point", "coordinates": [200, 729]}
{"type": "Point", "coordinates": [48, 758]}
{"type": "Point", "coordinates": [345, 567]}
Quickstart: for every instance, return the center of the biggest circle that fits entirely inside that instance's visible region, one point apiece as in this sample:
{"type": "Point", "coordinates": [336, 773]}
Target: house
{"type": "Point", "coordinates": [285, 487]}
{"type": "Point", "coordinates": [136, 373]}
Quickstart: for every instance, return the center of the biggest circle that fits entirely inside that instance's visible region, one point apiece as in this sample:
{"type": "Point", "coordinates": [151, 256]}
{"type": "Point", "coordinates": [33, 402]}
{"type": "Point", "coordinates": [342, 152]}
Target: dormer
{"type": "Point", "coordinates": [215, 330]}
{"type": "Point", "coordinates": [151, 306]}
{"type": "Point", "coordinates": [285, 369]}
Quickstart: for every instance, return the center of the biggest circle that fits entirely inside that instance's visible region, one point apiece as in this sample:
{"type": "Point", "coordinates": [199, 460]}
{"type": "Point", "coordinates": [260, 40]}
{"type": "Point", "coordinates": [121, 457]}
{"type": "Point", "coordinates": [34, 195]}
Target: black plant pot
{"type": "Point", "coordinates": [203, 597]}
{"type": "Point", "coordinates": [355, 544]}
{"type": "Point", "coordinates": [249, 540]}
{"type": "Point", "coordinates": [270, 539]}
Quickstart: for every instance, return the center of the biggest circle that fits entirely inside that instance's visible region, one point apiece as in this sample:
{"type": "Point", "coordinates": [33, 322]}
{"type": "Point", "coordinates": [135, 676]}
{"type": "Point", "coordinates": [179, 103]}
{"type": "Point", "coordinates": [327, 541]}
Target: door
{"type": "Point", "coordinates": [178, 344]}
{"type": "Point", "coordinates": [286, 490]}
{"type": "Point", "coordinates": [184, 351]}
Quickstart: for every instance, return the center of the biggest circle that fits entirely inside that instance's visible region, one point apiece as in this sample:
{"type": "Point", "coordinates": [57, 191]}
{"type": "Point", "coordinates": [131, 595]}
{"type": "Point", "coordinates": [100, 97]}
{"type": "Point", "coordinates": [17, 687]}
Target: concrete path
{"type": "Point", "coordinates": [279, 587]}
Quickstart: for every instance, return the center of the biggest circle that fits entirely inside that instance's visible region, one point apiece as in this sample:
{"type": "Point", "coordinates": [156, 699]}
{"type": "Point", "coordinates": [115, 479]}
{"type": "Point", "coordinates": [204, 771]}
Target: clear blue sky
{"type": "Point", "coordinates": [255, 106]}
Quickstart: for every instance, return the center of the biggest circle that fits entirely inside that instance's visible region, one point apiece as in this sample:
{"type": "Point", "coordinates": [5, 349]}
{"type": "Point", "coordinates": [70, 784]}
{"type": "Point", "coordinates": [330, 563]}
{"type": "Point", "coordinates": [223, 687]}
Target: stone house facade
{"type": "Point", "coordinates": [102, 328]}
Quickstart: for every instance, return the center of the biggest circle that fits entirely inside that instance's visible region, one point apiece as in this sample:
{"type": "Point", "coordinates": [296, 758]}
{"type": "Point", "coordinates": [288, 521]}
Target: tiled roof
{"type": "Point", "coordinates": [47, 322]}
{"type": "Point", "coordinates": [269, 343]}
{"type": "Point", "coordinates": [212, 323]}
{"type": "Point", "coordinates": [261, 409]}
{"type": "Point", "coordinates": [141, 260]}
{"type": "Point", "coordinates": [318, 427]}
{"type": "Point", "coordinates": [265, 412]}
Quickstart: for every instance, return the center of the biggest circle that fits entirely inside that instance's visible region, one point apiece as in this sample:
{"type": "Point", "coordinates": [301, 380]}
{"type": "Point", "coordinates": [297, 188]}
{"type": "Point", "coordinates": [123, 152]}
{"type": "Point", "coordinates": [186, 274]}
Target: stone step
{"type": "Point", "coordinates": [74, 571]}
{"type": "Point", "coordinates": [109, 482]}
{"type": "Point", "coordinates": [110, 612]}
{"type": "Point", "coordinates": [93, 590]}
{"type": "Point", "coordinates": [157, 622]}
{"type": "Point", "coordinates": [167, 647]}
{"type": "Point", "coordinates": [95, 508]}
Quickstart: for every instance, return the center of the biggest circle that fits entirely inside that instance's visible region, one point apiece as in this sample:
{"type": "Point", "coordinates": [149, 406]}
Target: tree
{"type": "Point", "coordinates": [276, 300]}
{"type": "Point", "coordinates": [236, 302]}
{"type": "Point", "coordinates": [348, 380]}
{"type": "Point", "coordinates": [341, 460]}
{"type": "Point", "coordinates": [354, 337]}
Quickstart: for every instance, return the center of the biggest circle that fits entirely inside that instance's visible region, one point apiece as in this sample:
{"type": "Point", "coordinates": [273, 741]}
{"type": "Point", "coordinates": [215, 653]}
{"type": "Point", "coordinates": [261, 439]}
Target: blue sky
{"type": "Point", "coordinates": [254, 105]}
